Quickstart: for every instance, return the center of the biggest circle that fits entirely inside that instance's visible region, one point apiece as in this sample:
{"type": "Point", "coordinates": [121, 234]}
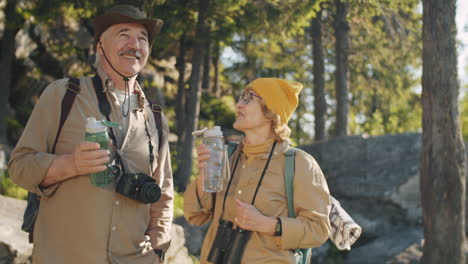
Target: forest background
{"type": "Point", "coordinates": [360, 62]}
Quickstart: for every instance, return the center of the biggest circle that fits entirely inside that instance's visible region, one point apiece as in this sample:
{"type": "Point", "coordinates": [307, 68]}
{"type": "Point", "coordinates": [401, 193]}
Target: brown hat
{"type": "Point", "coordinates": [120, 14]}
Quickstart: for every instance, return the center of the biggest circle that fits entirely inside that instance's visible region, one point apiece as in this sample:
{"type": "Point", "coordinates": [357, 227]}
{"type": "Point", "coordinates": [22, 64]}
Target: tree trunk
{"type": "Point", "coordinates": [298, 135]}
{"type": "Point", "coordinates": [216, 54]}
{"type": "Point", "coordinates": [341, 74]}
{"type": "Point", "coordinates": [320, 105]}
{"type": "Point", "coordinates": [7, 57]}
{"type": "Point", "coordinates": [180, 98]}
{"type": "Point", "coordinates": [207, 63]}
{"type": "Point", "coordinates": [443, 156]}
{"type": "Point", "coordinates": [192, 99]}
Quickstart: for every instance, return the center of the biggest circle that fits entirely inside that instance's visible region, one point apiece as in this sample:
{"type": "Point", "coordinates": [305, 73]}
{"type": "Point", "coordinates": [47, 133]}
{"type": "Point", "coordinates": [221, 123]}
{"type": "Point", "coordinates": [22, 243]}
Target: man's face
{"type": "Point", "coordinates": [126, 46]}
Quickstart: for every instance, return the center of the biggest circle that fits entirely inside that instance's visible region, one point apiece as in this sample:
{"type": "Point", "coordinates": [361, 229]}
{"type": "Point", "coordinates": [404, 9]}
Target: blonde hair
{"type": "Point", "coordinates": [281, 131]}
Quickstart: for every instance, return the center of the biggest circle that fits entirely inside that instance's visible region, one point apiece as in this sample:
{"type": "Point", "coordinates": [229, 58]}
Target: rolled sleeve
{"type": "Point", "coordinates": [311, 227]}
{"type": "Point", "coordinates": [198, 208]}
{"type": "Point", "coordinates": [30, 160]}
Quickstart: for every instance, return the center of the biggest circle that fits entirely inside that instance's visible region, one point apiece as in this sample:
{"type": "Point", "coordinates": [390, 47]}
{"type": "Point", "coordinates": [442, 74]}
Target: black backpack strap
{"type": "Point", "coordinates": [157, 112]}
{"type": "Point", "coordinates": [33, 201]}
{"type": "Point", "coordinates": [73, 88]}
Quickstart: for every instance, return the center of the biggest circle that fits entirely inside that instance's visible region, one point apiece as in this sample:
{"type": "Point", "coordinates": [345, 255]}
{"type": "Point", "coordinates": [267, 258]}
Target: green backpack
{"type": "Point", "coordinates": [302, 254]}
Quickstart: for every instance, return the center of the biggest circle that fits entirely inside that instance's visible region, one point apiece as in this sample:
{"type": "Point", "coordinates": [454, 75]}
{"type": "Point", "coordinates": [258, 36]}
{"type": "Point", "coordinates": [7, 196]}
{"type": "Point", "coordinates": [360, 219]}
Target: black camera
{"type": "Point", "coordinates": [139, 186]}
{"type": "Point", "coordinates": [229, 244]}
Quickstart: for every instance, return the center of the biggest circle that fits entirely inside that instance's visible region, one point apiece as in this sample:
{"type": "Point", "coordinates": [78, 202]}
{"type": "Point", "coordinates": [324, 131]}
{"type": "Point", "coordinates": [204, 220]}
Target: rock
{"type": "Point", "coordinates": [7, 255]}
{"type": "Point", "coordinates": [4, 157]}
{"type": "Point", "coordinates": [11, 234]}
{"type": "Point", "coordinates": [386, 249]}
{"type": "Point", "coordinates": [375, 179]}
{"type": "Point", "coordinates": [15, 248]}
{"type": "Point", "coordinates": [194, 235]}
{"type": "Point", "coordinates": [177, 252]}
{"type": "Point", "coordinates": [410, 255]}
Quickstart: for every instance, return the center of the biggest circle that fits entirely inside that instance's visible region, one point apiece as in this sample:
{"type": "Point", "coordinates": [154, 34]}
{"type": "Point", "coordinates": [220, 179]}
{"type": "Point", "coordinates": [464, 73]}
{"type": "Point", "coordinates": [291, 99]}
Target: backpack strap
{"type": "Point", "coordinates": [302, 255]}
{"type": "Point", "coordinates": [289, 180]}
{"type": "Point", "coordinates": [33, 201]}
{"type": "Point", "coordinates": [232, 146]}
{"type": "Point", "coordinates": [73, 88]}
{"type": "Point", "coordinates": [157, 112]}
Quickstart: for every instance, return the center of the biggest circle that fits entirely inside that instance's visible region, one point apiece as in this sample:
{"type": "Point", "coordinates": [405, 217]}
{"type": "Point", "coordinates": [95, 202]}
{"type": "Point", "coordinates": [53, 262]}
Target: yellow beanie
{"type": "Point", "coordinates": [280, 96]}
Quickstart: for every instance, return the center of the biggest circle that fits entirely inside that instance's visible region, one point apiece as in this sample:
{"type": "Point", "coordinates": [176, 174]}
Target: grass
{"type": "Point", "coordinates": [8, 188]}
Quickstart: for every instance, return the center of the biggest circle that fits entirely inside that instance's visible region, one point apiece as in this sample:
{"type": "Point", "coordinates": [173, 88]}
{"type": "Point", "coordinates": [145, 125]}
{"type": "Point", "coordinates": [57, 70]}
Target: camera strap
{"type": "Point", "coordinates": [259, 181]}
{"type": "Point", "coordinates": [105, 109]}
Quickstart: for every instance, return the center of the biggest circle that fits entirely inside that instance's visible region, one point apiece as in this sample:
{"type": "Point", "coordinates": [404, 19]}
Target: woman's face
{"type": "Point", "coordinates": [249, 113]}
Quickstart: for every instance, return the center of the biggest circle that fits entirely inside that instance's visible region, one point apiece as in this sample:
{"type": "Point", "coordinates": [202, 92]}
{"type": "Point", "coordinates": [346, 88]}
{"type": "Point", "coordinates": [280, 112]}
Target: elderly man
{"type": "Point", "coordinates": [79, 222]}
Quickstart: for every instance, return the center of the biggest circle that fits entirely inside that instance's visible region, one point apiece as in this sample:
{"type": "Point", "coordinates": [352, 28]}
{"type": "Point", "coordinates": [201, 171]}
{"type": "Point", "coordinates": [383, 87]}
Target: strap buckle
{"type": "Point", "coordinates": [156, 108]}
{"type": "Point", "coordinates": [74, 85]}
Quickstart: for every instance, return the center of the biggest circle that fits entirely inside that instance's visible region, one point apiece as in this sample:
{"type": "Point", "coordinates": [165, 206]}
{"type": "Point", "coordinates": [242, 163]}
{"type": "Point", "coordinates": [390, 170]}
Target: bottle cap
{"type": "Point", "coordinates": [94, 126]}
{"type": "Point", "coordinates": [214, 132]}
{"type": "Point", "coordinates": [199, 132]}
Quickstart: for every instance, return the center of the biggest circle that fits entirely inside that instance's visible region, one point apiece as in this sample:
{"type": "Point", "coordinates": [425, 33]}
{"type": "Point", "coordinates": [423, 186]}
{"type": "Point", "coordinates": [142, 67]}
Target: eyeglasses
{"type": "Point", "coordinates": [246, 97]}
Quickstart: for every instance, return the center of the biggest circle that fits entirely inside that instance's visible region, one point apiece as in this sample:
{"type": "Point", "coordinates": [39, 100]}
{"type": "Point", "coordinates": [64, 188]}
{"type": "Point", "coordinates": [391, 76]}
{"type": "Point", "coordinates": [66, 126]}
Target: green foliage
{"type": "Point", "coordinates": [269, 38]}
{"type": "Point", "coordinates": [8, 188]}
{"type": "Point", "coordinates": [14, 129]}
{"type": "Point", "coordinates": [217, 111]}
{"type": "Point", "coordinates": [195, 259]}
{"type": "Point", "coordinates": [464, 115]}
{"type": "Point", "coordinates": [386, 48]}
{"type": "Point", "coordinates": [178, 204]}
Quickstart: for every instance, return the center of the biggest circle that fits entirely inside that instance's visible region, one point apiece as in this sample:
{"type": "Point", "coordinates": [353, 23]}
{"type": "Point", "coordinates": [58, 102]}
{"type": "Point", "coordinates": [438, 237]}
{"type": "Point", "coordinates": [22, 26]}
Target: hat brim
{"type": "Point", "coordinates": [105, 21]}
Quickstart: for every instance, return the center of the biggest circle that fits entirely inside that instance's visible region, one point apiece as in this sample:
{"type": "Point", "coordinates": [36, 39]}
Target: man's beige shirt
{"type": "Point", "coordinates": [78, 222]}
{"type": "Point", "coordinates": [310, 228]}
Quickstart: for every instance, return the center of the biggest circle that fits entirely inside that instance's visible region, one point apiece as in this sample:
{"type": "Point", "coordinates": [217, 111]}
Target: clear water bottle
{"type": "Point", "coordinates": [96, 132]}
{"type": "Point", "coordinates": [213, 171]}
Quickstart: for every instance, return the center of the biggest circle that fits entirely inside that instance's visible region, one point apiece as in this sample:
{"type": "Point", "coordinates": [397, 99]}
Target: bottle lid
{"type": "Point", "coordinates": [214, 132]}
{"type": "Point", "coordinates": [94, 126]}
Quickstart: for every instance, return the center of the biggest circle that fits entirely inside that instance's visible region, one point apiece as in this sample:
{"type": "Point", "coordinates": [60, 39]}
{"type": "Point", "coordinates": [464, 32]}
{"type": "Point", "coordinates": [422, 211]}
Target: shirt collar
{"type": "Point", "coordinates": [108, 85]}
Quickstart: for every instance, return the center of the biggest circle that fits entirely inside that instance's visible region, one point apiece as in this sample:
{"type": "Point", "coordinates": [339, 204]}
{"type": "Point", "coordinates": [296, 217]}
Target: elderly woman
{"type": "Point", "coordinates": [253, 201]}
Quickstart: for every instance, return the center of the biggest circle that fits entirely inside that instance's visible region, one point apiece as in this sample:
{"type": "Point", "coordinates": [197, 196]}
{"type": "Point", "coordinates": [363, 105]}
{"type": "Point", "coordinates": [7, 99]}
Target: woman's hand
{"type": "Point", "coordinates": [249, 218]}
{"type": "Point", "coordinates": [203, 154]}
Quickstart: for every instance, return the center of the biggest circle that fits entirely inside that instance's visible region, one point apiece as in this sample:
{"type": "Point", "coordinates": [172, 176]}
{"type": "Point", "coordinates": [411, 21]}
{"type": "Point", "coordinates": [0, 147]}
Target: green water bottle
{"type": "Point", "coordinates": [96, 132]}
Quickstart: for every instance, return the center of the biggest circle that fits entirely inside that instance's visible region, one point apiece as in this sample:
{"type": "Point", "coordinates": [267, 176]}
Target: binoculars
{"type": "Point", "coordinates": [229, 244]}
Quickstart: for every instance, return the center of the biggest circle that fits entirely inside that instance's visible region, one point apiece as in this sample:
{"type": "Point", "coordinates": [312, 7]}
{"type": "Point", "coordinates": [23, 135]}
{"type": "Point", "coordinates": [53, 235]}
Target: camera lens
{"type": "Point", "coordinates": [150, 192]}
{"type": "Point", "coordinates": [115, 170]}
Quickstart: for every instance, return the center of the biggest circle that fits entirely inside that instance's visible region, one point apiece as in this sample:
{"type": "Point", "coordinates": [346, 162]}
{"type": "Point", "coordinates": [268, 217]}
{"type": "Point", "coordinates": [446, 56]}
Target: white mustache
{"type": "Point", "coordinates": [135, 53]}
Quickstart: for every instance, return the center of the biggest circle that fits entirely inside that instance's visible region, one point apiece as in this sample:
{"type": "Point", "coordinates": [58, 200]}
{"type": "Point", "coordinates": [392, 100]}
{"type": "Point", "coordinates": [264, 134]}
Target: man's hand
{"type": "Point", "coordinates": [249, 218]}
{"type": "Point", "coordinates": [86, 158]}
